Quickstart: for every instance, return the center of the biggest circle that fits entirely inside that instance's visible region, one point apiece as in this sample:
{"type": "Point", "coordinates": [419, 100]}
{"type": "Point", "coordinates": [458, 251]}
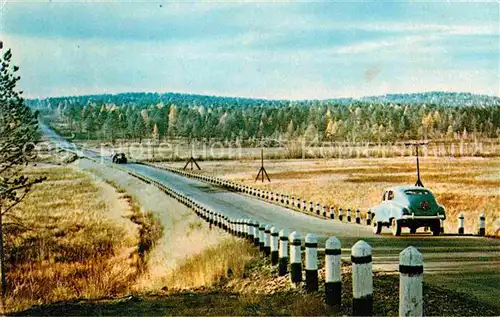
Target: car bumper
{"type": "Point", "coordinates": [413, 217]}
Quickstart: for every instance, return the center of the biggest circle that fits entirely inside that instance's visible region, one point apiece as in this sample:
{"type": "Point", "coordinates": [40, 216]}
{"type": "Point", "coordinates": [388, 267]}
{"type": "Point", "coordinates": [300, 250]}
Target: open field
{"type": "Point", "coordinates": [69, 239]}
{"type": "Point", "coordinates": [468, 185]}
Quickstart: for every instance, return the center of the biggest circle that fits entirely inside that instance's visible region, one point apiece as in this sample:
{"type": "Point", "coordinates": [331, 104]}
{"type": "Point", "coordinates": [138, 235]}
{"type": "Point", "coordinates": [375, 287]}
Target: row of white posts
{"type": "Point", "coordinates": [278, 244]}
{"type": "Point", "coordinates": [302, 204]}
{"type": "Point", "coordinates": [285, 252]}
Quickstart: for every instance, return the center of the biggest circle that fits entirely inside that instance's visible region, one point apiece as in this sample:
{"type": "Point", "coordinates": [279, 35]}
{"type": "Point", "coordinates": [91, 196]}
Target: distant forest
{"type": "Point", "coordinates": [153, 116]}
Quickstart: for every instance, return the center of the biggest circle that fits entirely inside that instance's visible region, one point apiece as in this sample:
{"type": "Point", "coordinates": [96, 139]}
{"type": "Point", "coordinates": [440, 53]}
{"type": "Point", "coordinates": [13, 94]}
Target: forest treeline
{"type": "Point", "coordinates": [142, 116]}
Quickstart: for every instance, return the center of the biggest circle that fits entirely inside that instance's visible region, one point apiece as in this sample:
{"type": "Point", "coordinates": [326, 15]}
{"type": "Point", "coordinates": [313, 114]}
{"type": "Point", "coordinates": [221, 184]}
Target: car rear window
{"type": "Point", "coordinates": [417, 192]}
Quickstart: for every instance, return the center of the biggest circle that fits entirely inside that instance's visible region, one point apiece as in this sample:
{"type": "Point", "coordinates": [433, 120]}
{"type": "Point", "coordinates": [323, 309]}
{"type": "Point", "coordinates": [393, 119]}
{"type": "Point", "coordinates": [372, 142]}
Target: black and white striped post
{"type": "Point", "coordinates": [324, 210]}
{"type": "Point", "coordinates": [283, 253]}
{"type": "Point", "coordinates": [311, 262]}
{"type": "Point", "coordinates": [311, 208]}
{"type": "Point", "coordinates": [333, 283]}
{"type": "Point", "coordinates": [348, 214]}
{"type": "Point", "coordinates": [293, 201]}
{"type": "Point", "coordinates": [256, 234]}
{"type": "Point", "coordinates": [358, 216]}
{"type": "Point", "coordinates": [482, 224]}
{"type": "Point", "coordinates": [274, 246]}
{"type": "Point", "coordinates": [304, 205]}
{"type": "Point", "coordinates": [237, 227]}
{"type": "Point", "coordinates": [369, 217]}
{"type": "Point", "coordinates": [287, 200]}
{"type": "Point", "coordinates": [332, 212]}
{"type": "Point", "coordinates": [362, 279]}
{"type": "Point", "coordinates": [295, 258]}
{"type": "Point", "coordinates": [461, 218]}
{"type": "Point", "coordinates": [317, 209]}
{"type": "Point", "coordinates": [247, 229]}
{"type": "Point", "coordinates": [341, 214]}
{"type": "Point", "coordinates": [262, 233]}
{"type": "Point", "coordinates": [241, 228]}
{"type": "Point", "coordinates": [267, 240]}
{"type": "Point", "coordinates": [232, 226]}
{"type": "Point", "coordinates": [251, 236]}
{"type": "Point", "coordinates": [411, 276]}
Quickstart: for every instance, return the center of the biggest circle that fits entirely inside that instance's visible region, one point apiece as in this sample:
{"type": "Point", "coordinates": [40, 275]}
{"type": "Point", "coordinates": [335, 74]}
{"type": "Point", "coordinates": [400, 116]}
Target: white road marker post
{"type": "Point", "coordinates": [267, 240]}
{"type": "Point", "coordinates": [358, 217]}
{"type": "Point", "coordinates": [461, 218]}
{"type": "Point", "coordinates": [324, 210]}
{"type": "Point", "coordinates": [317, 209]}
{"type": "Point", "coordinates": [311, 262]}
{"type": "Point", "coordinates": [247, 229]}
{"type": "Point", "coordinates": [341, 214]}
{"type": "Point", "coordinates": [333, 283]}
{"type": "Point", "coordinates": [482, 224]}
{"type": "Point", "coordinates": [274, 246]}
{"type": "Point", "coordinates": [311, 206]}
{"type": "Point", "coordinates": [256, 234]}
{"type": "Point", "coordinates": [348, 214]}
{"type": "Point", "coordinates": [304, 205]}
{"type": "Point", "coordinates": [283, 253]}
{"type": "Point", "coordinates": [369, 217]}
{"type": "Point", "coordinates": [362, 279]}
{"type": "Point", "coordinates": [262, 233]}
{"type": "Point", "coordinates": [332, 212]}
{"type": "Point", "coordinates": [251, 235]}
{"type": "Point", "coordinates": [295, 259]}
{"type": "Point", "coordinates": [411, 276]}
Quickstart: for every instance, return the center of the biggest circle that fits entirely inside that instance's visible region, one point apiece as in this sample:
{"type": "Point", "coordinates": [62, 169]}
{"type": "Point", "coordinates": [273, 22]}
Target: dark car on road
{"type": "Point", "coordinates": [119, 158]}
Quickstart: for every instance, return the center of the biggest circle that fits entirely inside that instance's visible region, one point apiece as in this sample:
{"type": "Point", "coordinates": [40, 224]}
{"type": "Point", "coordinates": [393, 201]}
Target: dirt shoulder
{"type": "Point", "coordinates": [185, 235]}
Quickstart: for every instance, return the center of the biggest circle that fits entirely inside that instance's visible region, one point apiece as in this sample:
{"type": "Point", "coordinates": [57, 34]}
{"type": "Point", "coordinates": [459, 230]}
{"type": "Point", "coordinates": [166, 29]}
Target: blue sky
{"type": "Point", "coordinates": [285, 50]}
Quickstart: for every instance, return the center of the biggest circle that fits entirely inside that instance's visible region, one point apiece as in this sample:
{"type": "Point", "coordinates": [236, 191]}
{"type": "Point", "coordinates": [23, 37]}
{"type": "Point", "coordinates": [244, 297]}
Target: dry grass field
{"type": "Point", "coordinates": [469, 185]}
{"type": "Point", "coordinates": [73, 241]}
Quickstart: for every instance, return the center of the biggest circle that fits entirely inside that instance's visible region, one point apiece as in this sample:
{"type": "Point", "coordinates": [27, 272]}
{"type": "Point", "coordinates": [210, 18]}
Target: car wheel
{"type": "Point", "coordinates": [413, 230]}
{"type": "Point", "coordinates": [395, 228]}
{"type": "Point", "coordinates": [377, 227]}
{"type": "Point", "coordinates": [436, 228]}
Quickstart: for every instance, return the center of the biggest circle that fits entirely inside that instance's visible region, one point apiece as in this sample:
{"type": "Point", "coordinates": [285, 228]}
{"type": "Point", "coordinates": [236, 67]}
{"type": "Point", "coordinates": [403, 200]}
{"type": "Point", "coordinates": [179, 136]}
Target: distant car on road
{"type": "Point", "coordinates": [119, 158]}
{"type": "Point", "coordinates": [408, 206]}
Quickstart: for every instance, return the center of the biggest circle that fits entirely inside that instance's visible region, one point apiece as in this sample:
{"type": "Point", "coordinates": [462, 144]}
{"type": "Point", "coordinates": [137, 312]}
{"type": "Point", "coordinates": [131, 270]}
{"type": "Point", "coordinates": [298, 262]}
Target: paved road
{"type": "Point", "coordinates": [479, 257]}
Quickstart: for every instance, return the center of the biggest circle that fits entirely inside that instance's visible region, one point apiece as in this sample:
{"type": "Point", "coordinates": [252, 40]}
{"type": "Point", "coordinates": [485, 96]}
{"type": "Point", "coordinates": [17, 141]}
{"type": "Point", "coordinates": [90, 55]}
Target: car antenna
{"type": "Point", "coordinates": [416, 145]}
